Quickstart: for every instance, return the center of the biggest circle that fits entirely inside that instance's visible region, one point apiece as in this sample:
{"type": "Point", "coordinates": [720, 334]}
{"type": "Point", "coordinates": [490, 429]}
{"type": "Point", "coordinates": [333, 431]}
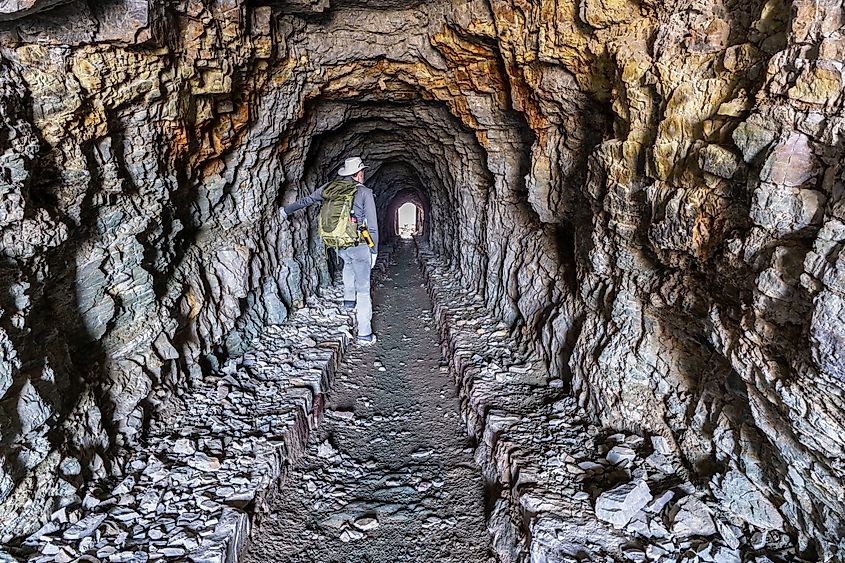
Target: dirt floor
{"type": "Point", "coordinates": [389, 475]}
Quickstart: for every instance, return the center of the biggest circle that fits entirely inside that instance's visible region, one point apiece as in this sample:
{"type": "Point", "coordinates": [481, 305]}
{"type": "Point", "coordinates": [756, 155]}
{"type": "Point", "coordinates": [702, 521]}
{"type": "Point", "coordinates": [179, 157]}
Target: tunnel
{"type": "Point", "coordinates": [608, 296]}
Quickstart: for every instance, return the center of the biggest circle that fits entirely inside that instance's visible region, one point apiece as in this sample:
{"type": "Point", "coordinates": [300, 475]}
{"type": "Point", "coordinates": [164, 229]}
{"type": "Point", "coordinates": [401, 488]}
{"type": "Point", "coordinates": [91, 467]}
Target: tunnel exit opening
{"type": "Point", "coordinates": [409, 220]}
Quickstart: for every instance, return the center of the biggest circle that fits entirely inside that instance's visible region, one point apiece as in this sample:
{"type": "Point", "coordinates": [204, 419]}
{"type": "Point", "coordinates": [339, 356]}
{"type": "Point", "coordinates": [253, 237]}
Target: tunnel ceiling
{"type": "Point", "coordinates": [646, 195]}
{"type": "Point", "coordinates": [447, 160]}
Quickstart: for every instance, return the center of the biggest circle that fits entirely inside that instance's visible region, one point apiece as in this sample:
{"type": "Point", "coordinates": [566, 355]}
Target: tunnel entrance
{"type": "Point", "coordinates": [409, 220]}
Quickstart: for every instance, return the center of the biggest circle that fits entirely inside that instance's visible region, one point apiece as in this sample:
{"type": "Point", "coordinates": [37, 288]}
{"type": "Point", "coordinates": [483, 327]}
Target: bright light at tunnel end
{"type": "Point", "coordinates": [407, 220]}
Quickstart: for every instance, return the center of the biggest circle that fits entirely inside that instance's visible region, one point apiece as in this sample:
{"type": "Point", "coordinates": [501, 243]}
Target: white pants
{"type": "Point", "coordinates": [356, 284]}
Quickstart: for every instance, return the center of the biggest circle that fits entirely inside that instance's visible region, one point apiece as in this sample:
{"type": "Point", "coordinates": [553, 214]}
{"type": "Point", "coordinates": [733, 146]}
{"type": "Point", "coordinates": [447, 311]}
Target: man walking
{"type": "Point", "coordinates": [347, 214]}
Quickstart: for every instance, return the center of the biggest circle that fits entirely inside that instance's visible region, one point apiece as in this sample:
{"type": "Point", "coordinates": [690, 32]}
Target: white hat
{"type": "Point", "coordinates": [351, 166]}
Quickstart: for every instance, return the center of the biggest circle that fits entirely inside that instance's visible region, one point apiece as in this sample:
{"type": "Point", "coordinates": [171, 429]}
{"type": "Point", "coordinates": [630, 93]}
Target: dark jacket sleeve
{"type": "Point", "coordinates": [315, 197]}
{"type": "Point", "coordinates": [371, 215]}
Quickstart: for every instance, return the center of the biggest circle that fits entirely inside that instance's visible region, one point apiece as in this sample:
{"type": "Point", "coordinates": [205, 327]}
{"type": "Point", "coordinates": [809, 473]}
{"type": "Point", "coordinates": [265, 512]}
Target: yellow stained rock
{"type": "Point", "coordinates": [821, 84]}
{"type": "Point", "coordinates": [604, 13]}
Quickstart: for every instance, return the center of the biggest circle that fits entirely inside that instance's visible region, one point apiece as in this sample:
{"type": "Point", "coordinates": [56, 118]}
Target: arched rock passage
{"type": "Point", "coordinates": [408, 216]}
{"type": "Point", "coordinates": [418, 147]}
{"type": "Point", "coordinates": [647, 195]}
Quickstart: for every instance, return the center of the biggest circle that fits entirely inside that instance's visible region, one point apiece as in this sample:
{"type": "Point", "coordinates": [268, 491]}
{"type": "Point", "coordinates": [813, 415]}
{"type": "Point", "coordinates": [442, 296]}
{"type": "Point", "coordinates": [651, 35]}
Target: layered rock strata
{"type": "Point", "coordinates": [193, 491]}
{"type": "Point", "coordinates": [563, 489]}
{"type": "Point", "coordinates": [648, 195]}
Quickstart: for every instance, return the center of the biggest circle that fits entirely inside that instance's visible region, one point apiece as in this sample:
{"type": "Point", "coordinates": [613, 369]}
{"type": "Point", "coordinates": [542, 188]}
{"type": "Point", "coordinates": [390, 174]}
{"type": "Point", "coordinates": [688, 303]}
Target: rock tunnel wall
{"type": "Point", "coordinates": [649, 194]}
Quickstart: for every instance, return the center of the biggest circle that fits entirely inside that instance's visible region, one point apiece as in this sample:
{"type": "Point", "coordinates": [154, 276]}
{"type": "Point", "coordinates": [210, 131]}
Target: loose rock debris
{"type": "Point", "coordinates": [390, 476]}
{"type": "Point", "coordinates": [569, 491]}
{"type": "Point", "coordinates": [189, 494]}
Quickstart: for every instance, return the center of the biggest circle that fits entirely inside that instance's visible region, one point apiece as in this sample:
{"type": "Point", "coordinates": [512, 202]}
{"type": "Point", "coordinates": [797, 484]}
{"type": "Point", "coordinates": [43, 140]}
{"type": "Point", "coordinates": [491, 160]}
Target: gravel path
{"type": "Point", "coordinates": [389, 475]}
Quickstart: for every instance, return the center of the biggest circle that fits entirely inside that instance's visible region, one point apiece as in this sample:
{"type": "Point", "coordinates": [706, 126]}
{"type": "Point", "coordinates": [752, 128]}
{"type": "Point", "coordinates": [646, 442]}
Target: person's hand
{"type": "Point", "coordinates": [373, 258]}
{"type": "Point", "coordinates": [282, 214]}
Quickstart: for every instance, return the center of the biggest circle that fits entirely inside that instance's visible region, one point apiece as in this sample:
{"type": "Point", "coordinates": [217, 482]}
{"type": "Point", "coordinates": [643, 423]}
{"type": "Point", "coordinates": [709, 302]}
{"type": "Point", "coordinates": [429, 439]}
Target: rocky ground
{"type": "Point", "coordinates": [390, 474]}
{"type": "Point", "coordinates": [443, 442]}
{"type": "Point", "coordinates": [565, 490]}
{"type": "Point", "coordinates": [647, 195]}
{"type": "Point", "coordinates": [188, 493]}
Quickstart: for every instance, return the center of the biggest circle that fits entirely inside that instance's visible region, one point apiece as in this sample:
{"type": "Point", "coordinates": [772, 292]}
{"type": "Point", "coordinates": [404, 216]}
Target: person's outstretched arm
{"type": "Point", "coordinates": [315, 197]}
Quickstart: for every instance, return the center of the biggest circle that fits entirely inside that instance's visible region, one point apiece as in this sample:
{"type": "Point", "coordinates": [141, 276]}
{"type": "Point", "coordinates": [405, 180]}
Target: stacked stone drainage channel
{"type": "Point", "coordinates": [190, 494]}
{"type": "Point", "coordinates": [563, 489]}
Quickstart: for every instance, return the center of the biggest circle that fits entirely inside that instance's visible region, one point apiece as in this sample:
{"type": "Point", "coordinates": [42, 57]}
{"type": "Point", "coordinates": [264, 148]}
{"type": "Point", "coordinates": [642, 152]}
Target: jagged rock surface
{"type": "Point", "coordinates": [568, 490]}
{"type": "Point", "coordinates": [189, 493]}
{"type": "Point", "coordinates": [389, 476]}
{"type": "Point", "coordinates": [648, 195]}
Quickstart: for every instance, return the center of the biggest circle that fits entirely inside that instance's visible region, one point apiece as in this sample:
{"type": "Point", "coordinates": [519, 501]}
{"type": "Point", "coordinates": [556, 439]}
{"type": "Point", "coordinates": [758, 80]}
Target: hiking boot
{"type": "Point", "coordinates": [349, 305]}
{"type": "Point", "coordinates": [368, 340]}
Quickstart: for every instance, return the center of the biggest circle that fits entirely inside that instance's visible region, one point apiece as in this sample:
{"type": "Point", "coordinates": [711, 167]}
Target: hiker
{"type": "Point", "coordinates": [349, 224]}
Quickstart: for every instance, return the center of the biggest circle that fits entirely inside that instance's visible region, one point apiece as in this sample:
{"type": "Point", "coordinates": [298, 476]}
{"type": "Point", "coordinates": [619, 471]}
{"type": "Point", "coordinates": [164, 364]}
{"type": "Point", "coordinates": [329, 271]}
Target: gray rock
{"type": "Point", "coordinates": [711, 553]}
{"type": "Point", "coordinates": [32, 409]}
{"type": "Point", "coordinates": [618, 505]}
{"type": "Point", "coordinates": [785, 210]}
{"type": "Point", "coordinates": [729, 534]}
{"type": "Point", "coordinates": [326, 450]}
{"type": "Point", "coordinates": [184, 446]}
{"type": "Point", "coordinates": [85, 527]}
{"type": "Point", "coordinates": [621, 455]}
{"type": "Point", "coordinates": [753, 136]}
{"type": "Point", "coordinates": [718, 161]}
{"type": "Point", "coordinates": [350, 535]}
{"type": "Point", "coordinates": [745, 501]}
{"type": "Point", "coordinates": [9, 362]}
{"type": "Point", "coordinates": [366, 523]}
{"type": "Point", "coordinates": [691, 517]}
{"type": "Point", "coordinates": [16, 9]}
{"type": "Point", "coordinates": [658, 503]}
{"type": "Point", "coordinates": [661, 445]}
{"type": "Point", "coordinates": [634, 554]}
{"type": "Point", "coordinates": [759, 540]}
